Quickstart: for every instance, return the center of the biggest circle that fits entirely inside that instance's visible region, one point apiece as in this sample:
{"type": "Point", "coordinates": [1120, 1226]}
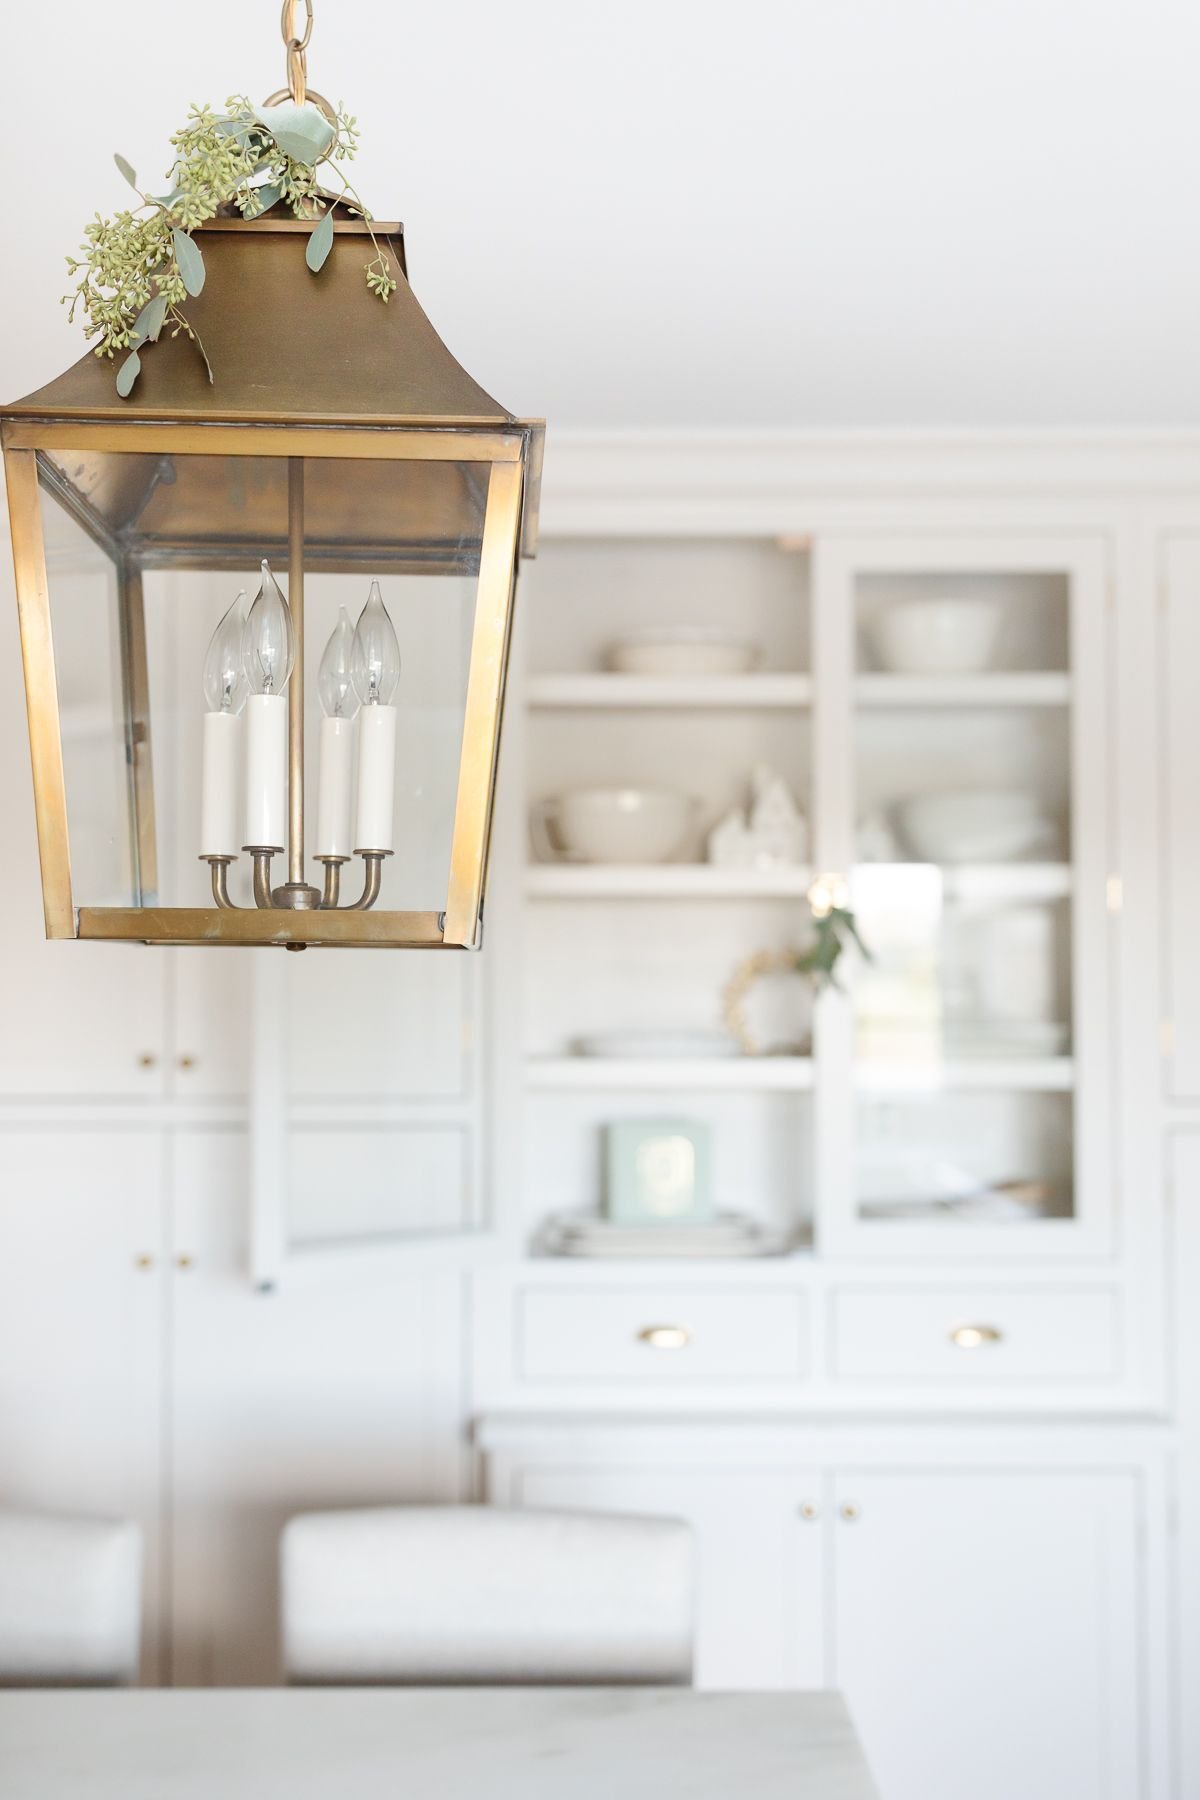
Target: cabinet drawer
{"type": "Point", "coordinates": [660, 1335]}
{"type": "Point", "coordinates": [982, 1335]}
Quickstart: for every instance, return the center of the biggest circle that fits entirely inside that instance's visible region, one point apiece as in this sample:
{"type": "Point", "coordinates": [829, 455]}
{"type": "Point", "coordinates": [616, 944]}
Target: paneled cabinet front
{"type": "Point", "coordinates": [987, 1618]}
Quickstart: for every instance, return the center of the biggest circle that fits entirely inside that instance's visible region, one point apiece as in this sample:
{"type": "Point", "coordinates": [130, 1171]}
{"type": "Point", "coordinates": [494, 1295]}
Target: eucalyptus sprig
{"type": "Point", "coordinates": [136, 271]}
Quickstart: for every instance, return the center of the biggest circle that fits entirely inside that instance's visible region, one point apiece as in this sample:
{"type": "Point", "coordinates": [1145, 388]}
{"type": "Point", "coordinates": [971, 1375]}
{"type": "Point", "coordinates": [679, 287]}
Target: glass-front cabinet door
{"type": "Point", "coordinates": [961, 690]}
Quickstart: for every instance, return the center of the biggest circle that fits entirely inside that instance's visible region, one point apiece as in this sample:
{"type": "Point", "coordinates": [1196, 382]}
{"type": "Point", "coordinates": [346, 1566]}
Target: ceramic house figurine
{"type": "Point", "coordinates": [729, 841]}
{"type": "Point", "coordinates": [773, 835]}
{"type": "Point", "coordinates": [778, 829]}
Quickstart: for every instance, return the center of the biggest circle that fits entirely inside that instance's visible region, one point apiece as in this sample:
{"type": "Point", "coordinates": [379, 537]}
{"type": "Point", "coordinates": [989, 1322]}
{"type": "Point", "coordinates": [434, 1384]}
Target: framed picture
{"type": "Point", "coordinates": [657, 1172]}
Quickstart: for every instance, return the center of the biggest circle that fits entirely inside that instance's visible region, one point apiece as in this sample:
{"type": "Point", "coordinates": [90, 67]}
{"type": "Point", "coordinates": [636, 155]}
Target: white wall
{"type": "Point", "coordinates": [678, 211]}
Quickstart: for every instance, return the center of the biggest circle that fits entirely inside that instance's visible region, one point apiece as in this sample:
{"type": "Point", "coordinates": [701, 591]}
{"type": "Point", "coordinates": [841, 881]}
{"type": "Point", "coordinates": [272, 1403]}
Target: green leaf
{"type": "Point", "coordinates": [167, 200]}
{"type": "Point", "coordinates": [301, 132]}
{"type": "Point", "coordinates": [320, 242]}
{"type": "Point", "coordinates": [191, 263]}
{"type": "Point", "coordinates": [266, 196]}
{"type": "Point", "coordinates": [127, 171]}
{"type": "Point", "coordinates": [149, 321]}
{"type": "Point", "coordinates": [128, 373]}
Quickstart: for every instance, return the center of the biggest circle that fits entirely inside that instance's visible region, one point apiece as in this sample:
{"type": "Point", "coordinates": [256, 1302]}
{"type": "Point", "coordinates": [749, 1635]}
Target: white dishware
{"type": "Point", "coordinates": [728, 1235]}
{"type": "Point", "coordinates": [1006, 1038]}
{"type": "Point", "coordinates": [975, 825]}
{"type": "Point", "coordinates": [611, 825]}
{"type": "Point", "coordinates": [679, 1046]}
{"type": "Point", "coordinates": [682, 650]}
{"type": "Point", "coordinates": [936, 637]}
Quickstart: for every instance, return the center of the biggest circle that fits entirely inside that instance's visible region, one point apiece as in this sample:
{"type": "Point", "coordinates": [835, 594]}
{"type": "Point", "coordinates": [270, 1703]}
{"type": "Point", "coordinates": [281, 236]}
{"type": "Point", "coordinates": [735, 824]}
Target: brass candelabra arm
{"type": "Point", "coordinates": [373, 859]}
{"type": "Point", "coordinates": [220, 882]}
{"type": "Point", "coordinates": [333, 881]}
{"type": "Point", "coordinates": [261, 857]}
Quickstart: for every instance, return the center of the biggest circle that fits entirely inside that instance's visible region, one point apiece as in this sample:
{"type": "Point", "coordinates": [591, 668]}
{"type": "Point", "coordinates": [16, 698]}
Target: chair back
{"type": "Point", "coordinates": [482, 1595]}
{"type": "Point", "coordinates": [70, 1598]}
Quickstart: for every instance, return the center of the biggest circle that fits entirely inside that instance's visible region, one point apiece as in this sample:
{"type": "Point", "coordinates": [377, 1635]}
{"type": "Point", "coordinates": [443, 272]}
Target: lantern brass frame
{"type": "Point", "coordinates": [508, 451]}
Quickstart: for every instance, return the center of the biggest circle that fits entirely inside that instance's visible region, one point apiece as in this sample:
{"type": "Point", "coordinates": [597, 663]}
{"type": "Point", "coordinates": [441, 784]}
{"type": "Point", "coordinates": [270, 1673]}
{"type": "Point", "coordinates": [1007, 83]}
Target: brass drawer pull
{"type": "Point", "coordinates": [850, 1512]}
{"type": "Point", "coordinates": [975, 1337]}
{"type": "Point", "coordinates": [665, 1337]}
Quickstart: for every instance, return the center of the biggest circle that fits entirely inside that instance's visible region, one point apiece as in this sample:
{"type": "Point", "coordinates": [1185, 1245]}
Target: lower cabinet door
{"type": "Point", "coordinates": [81, 1323]}
{"type": "Point", "coordinates": [758, 1558]}
{"type": "Point", "coordinates": [324, 1394]}
{"type": "Point", "coordinates": [986, 1629]}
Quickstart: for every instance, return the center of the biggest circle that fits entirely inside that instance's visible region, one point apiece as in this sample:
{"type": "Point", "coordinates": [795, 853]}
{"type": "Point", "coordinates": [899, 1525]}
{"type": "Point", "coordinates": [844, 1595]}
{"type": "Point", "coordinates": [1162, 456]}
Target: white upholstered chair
{"type": "Point", "coordinates": [480, 1595]}
{"type": "Point", "coordinates": [70, 1598]}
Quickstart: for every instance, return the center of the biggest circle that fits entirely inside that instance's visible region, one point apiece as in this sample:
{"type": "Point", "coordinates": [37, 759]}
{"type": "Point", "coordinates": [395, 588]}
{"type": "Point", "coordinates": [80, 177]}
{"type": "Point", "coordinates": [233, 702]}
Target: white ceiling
{"type": "Point", "coordinates": [805, 212]}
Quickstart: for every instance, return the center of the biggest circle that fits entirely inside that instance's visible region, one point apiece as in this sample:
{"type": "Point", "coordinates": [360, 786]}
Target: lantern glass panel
{"type": "Point", "coordinates": [145, 552]}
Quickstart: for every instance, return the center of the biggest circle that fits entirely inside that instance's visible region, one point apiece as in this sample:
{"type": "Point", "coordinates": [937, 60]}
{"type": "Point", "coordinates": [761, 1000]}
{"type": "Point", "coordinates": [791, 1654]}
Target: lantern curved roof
{"type": "Point", "coordinates": [286, 345]}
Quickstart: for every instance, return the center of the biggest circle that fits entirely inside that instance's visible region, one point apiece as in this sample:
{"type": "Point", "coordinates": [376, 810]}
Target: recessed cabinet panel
{"type": "Point", "coordinates": [987, 1630]}
{"type": "Point", "coordinates": [976, 1336]}
{"type": "Point", "coordinates": [376, 1026]}
{"type": "Point", "coordinates": [382, 1182]}
{"type": "Point", "coordinates": [1180, 658]}
{"type": "Point", "coordinates": [678, 1334]}
{"type": "Point", "coordinates": [759, 1563]}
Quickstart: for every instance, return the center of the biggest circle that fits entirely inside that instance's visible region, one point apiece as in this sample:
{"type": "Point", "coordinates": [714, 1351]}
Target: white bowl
{"type": "Point", "coordinates": [975, 825]}
{"type": "Point", "coordinates": [682, 650]}
{"type": "Point", "coordinates": [936, 637]}
{"type": "Point", "coordinates": [613, 825]}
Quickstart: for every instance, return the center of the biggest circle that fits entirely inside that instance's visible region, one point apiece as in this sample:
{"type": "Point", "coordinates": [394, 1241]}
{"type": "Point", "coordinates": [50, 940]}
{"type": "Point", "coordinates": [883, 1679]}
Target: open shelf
{"type": "Point", "coordinates": [1038, 687]}
{"type": "Point", "coordinates": [592, 691]}
{"type": "Point", "coordinates": [704, 881]}
{"type": "Point", "coordinates": [759, 1074]}
{"type": "Point", "coordinates": [662, 881]}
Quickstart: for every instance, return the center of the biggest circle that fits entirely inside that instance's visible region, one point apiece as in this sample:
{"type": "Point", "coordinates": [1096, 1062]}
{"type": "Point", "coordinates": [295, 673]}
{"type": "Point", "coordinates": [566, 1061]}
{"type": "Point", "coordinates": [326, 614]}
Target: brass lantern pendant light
{"type": "Point", "coordinates": [320, 542]}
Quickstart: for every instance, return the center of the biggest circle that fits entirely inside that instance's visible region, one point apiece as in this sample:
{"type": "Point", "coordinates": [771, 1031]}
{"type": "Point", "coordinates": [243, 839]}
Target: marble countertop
{"type": "Point", "coordinates": [377, 1743]}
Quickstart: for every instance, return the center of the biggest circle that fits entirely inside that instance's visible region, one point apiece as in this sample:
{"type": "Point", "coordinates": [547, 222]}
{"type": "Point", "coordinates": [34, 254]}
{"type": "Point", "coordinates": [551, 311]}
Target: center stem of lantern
{"type": "Point", "coordinates": [296, 690]}
{"type": "Point", "coordinates": [297, 892]}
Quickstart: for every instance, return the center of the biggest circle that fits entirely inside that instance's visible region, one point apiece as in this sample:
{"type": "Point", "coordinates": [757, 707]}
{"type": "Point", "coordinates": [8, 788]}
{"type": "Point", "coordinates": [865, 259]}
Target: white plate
{"type": "Point", "coordinates": [673, 1045]}
{"type": "Point", "coordinates": [683, 651]}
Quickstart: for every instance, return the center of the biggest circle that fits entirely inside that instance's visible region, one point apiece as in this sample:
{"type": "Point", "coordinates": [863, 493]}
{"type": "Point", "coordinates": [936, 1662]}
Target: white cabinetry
{"type": "Point", "coordinates": [986, 1604]}
{"type": "Point", "coordinates": [985, 1630]}
{"type": "Point", "coordinates": [326, 1393]}
{"type": "Point", "coordinates": [944, 1135]}
{"type": "Point", "coordinates": [82, 1248]}
{"type": "Point", "coordinates": [1179, 578]}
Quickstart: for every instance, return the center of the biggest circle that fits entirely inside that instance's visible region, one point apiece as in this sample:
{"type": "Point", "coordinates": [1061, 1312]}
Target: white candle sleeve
{"type": "Point", "coordinates": [266, 771]}
{"type": "Point", "coordinates": [376, 778]}
{"type": "Point", "coordinates": [333, 792]}
{"type": "Point", "coordinates": [219, 835]}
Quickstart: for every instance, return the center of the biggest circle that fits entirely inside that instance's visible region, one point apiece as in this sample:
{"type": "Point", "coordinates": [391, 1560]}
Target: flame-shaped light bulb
{"type": "Point", "coordinates": [335, 678]}
{"type": "Point", "coordinates": [225, 684]}
{"type": "Point", "coordinates": [268, 642]}
{"type": "Point", "coordinates": [225, 692]}
{"type": "Point", "coordinates": [376, 662]}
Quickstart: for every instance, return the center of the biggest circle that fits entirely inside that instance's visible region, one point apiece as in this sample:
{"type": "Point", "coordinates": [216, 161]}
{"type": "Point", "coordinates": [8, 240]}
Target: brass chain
{"type": "Point", "coordinates": [297, 73]}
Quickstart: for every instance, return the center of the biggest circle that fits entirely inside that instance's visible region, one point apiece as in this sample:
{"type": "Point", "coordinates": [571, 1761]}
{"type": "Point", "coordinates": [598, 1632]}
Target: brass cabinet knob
{"type": "Point", "coordinates": [143, 1260]}
{"type": "Point", "coordinates": [187, 1060]}
{"type": "Point", "coordinates": [665, 1337]}
{"type": "Point", "coordinates": [850, 1512]}
{"type": "Point", "coordinates": [975, 1337]}
{"type": "Point", "coordinates": [184, 1260]}
{"type": "Point", "coordinates": [147, 1060]}
{"type": "Point", "coordinates": [810, 1512]}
